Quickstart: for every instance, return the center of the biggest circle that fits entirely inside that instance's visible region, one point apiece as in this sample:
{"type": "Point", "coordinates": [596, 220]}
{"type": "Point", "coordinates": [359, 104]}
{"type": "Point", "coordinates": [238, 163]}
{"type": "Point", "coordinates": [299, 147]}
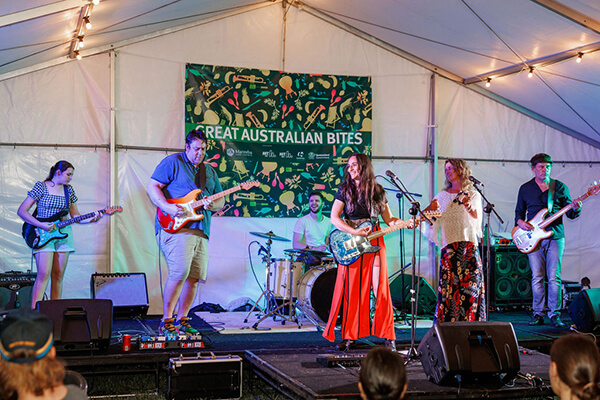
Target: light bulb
{"type": "Point", "coordinates": [488, 83]}
{"type": "Point", "coordinates": [579, 57]}
{"type": "Point", "coordinates": [77, 55]}
{"type": "Point", "coordinates": [88, 24]}
{"type": "Point", "coordinates": [530, 74]}
{"type": "Point", "coordinates": [95, 2]}
{"type": "Point", "coordinates": [80, 41]}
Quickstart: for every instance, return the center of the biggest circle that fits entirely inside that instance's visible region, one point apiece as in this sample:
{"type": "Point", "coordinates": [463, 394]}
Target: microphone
{"type": "Point", "coordinates": [390, 174]}
{"type": "Point", "coordinates": [475, 181]}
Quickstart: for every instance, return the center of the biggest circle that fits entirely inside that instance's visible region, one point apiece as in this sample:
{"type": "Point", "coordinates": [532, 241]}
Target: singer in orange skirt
{"type": "Point", "coordinates": [360, 198]}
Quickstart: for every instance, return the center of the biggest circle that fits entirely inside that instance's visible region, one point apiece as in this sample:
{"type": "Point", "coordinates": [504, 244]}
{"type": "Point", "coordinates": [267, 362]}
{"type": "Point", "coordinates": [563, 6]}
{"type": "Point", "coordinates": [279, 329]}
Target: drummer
{"type": "Point", "coordinates": [311, 231]}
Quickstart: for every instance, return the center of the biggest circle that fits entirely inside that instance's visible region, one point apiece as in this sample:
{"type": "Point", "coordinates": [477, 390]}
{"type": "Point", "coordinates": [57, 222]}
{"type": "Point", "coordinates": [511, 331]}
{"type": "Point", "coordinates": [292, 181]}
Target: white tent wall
{"type": "Point", "coordinates": [148, 89]}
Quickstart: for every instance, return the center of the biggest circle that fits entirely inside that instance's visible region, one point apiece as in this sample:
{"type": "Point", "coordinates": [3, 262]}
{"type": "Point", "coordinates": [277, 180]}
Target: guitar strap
{"type": "Point", "coordinates": [551, 194]}
{"type": "Point", "coordinates": [200, 178]}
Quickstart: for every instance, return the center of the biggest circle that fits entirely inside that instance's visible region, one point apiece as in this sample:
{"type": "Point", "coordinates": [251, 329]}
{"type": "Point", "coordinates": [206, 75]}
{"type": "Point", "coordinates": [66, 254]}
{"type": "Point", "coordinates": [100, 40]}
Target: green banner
{"type": "Point", "coordinates": [293, 133]}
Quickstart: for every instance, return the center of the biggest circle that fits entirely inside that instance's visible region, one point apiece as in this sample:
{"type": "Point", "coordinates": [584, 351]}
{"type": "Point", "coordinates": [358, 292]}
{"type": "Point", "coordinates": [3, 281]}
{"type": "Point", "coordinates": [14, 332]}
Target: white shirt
{"type": "Point", "coordinates": [314, 232]}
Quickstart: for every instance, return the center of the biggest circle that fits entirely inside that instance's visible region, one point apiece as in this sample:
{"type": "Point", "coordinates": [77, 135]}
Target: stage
{"type": "Point", "coordinates": [285, 356]}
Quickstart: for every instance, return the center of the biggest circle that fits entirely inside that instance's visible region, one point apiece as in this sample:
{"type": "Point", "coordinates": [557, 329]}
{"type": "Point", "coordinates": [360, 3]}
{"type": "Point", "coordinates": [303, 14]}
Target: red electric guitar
{"type": "Point", "coordinates": [191, 204]}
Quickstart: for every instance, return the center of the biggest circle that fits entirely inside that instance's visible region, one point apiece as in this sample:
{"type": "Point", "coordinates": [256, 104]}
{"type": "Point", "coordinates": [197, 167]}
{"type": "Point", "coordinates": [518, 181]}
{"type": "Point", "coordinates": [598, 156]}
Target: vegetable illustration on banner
{"type": "Point", "coordinates": [291, 132]}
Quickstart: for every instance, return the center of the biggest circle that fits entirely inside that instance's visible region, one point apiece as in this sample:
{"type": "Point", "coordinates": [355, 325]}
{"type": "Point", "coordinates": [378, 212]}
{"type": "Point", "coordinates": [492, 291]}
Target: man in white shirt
{"type": "Point", "coordinates": [311, 231]}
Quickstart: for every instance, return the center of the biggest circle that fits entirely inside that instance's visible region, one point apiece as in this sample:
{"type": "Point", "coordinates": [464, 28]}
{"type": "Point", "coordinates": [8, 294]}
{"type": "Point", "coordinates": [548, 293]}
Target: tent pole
{"type": "Point", "coordinates": [113, 162]}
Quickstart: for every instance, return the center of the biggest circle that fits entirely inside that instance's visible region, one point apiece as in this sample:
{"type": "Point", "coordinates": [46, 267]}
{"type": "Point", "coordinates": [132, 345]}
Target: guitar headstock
{"type": "Point", "coordinates": [594, 189]}
{"type": "Point", "coordinates": [112, 210]}
{"type": "Point", "coordinates": [249, 184]}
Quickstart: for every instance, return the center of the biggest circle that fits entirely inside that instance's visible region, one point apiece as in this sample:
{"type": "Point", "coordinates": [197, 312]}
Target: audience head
{"type": "Point", "coordinates": [575, 367]}
{"type": "Point", "coordinates": [28, 362]}
{"type": "Point", "coordinates": [382, 375]}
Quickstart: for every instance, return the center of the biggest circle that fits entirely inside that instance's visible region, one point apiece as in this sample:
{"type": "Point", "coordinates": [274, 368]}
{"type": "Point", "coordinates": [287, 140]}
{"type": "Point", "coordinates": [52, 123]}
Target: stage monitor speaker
{"type": "Point", "coordinates": [401, 295]}
{"type": "Point", "coordinates": [471, 350]}
{"type": "Point", "coordinates": [511, 282]}
{"type": "Point", "coordinates": [128, 292]}
{"type": "Point", "coordinates": [79, 324]}
{"type": "Point", "coordinates": [584, 310]}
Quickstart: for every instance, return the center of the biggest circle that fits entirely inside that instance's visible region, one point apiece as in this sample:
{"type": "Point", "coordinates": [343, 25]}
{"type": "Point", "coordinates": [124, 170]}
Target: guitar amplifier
{"type": "Point", "coordinates": [15, 289]}
{"type": "Point", "coordinates": [128, 293]}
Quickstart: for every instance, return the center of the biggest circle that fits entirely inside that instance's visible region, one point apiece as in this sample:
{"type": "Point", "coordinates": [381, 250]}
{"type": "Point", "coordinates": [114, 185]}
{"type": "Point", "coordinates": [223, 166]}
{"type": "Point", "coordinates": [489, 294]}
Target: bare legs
{"type": "Point", "coordinates": [50, 267]}
{"type": "Point", "coordinates": [173, 289]}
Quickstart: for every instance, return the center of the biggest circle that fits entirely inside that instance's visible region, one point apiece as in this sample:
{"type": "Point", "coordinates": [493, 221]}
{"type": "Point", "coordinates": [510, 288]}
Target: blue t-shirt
{"type": "Point", "coordinates": [178, 175]}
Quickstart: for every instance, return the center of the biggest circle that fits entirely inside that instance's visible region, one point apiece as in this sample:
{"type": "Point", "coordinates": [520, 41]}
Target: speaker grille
{"type": "Point", "coordinates": [511, 280]}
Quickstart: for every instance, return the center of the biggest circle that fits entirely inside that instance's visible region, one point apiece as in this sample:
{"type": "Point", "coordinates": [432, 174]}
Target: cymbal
{"type": "Point", "coordinates": [317, 253]}
{"type": "Point", "coordinates": [270, 235]}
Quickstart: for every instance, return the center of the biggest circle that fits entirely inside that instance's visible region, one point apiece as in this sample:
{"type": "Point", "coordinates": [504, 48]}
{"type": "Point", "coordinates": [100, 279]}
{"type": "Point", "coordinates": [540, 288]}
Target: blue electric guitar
{"type": "Point", "coordinates": [36, 237]}
{"type": "Point", "coordinates": [347, 248]}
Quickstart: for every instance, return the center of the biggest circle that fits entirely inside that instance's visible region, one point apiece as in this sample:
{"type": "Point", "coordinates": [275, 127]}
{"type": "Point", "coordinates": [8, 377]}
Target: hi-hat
{"type": "Point", "coordinates": [316, 253]}
{"type": "Point", "coordinates": [270, 235]}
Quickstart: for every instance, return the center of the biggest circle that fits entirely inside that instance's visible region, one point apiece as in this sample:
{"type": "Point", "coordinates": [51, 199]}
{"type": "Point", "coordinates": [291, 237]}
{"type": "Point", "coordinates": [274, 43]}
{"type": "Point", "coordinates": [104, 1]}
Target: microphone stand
{"type": "Point", "coordinates": [415, 210]}
{"type": "Point", "coordinates": [489, 207]}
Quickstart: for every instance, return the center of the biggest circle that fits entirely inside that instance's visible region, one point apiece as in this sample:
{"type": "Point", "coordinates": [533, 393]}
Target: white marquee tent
{"type": "Point", "coordinates": [116, 112]}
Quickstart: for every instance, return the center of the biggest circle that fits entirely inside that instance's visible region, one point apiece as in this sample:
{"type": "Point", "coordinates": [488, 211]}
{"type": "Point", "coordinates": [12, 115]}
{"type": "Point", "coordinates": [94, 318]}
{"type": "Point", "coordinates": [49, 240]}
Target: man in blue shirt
{"type": "Point", "coordinates": [186, 250]}
{"type": "Point", "coordinates": [546, 260]}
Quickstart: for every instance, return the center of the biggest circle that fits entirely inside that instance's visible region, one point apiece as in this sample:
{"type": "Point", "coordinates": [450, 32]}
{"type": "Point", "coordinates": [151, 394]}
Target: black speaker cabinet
{"type": "Point", "coordinates": [472, 350]}
{"type": "Point", "coordinates": [128, 292]}
{"type": "Point", "coordinates": [584, 310]}
{"type": "Point", "coordinates": [15, 290]}
{"type": "Point", "coordinates": [401, 295]}
{"type": "Point", "coordinates": [79, 324]}
{"type": "Point", "coordinates": [511, 279]}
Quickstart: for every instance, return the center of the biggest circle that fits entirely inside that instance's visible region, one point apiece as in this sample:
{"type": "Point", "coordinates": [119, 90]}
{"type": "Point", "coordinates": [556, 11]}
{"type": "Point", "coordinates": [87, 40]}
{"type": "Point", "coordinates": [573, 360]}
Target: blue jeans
{"type": "Point", "coordinates": [547, 261]}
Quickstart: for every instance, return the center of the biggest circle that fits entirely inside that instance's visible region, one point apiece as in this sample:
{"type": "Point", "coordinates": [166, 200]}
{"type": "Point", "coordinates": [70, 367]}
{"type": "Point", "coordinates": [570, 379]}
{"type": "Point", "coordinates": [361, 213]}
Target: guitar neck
{"type": "Point", "coordinates": [78, 218]}
{"type": "Point", "coordinates": [384, 231]}
{"type": "Point", "coordinates": [216, 196]}
{"type": "Point", "coordinates": [562, 211]}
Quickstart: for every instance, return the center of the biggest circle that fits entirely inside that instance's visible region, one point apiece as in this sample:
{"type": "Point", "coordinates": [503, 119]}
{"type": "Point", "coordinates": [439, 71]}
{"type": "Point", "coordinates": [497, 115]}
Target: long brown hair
{"type": "Point", "coordinates": [59, 166]}
{"type": "Point", "coordinates": [463, 170]}
{"type": "Point", "coordinates": [578, 365]}
{"type": "Point", "coordinates": [368, 191]}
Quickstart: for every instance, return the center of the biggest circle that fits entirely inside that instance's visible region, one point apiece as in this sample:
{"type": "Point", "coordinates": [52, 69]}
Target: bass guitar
{"type": "Point", "coordinates": [527, 241]}
{"type": "Point", "coordinates": [36, 237]}
{"type": "Point", "coordinates": [191, 205]}
{"type": "Point", "coordinates": [347, 248]}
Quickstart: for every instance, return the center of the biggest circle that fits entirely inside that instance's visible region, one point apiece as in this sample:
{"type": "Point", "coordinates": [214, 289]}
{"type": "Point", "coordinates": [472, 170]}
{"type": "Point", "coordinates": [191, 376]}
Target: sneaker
{"type": "Point", "coordinates": [557, 322]}
{"type": "Point", "coordinates": [390, 344]}
{"type": "Point", "coordinates": [167, 329]}
{"type": "Point", "coordinates": [183, 326]}
{"type": "Point", "coordinates": [537, 320]}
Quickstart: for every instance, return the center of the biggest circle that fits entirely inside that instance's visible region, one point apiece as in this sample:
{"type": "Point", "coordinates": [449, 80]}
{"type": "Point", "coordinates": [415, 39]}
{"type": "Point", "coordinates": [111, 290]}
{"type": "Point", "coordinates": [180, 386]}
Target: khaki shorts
{"type": "Point", "coordinates": [66, 245]}
{"type": "Point", "coordinates": [186, 254]}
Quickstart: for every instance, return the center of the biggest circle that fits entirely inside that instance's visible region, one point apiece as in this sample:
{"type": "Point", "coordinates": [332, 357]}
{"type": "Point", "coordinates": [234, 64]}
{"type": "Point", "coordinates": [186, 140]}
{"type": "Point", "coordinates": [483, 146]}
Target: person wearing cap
{"type": "Point", "coordinates": [28, 365]}
{"type": "Point", "coordinates": [546, 260]}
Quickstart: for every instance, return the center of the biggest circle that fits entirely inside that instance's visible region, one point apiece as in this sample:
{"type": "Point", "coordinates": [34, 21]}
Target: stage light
{"type": "Point", "coordinates": [488, 83]}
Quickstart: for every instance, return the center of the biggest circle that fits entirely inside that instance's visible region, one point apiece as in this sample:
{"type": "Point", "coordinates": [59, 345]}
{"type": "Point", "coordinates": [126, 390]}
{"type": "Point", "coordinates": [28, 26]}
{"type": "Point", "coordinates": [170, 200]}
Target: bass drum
{"type": "Point", "coordinates": [315, 292]}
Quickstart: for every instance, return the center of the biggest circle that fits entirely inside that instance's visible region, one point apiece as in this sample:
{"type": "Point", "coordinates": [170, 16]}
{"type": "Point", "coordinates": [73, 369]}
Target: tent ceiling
{"type": "Point", "coordinates": [465, 40]}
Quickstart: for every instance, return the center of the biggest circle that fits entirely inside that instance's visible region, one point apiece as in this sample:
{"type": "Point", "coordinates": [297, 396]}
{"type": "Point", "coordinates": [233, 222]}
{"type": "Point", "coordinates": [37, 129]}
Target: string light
{"type": "Point", "coordinates": [579, 57]}
{"type": "Point", "coordinates": [488, 83]}
{"type": "Point", "coordinates": [88, 24]}
{"type": "Point", "coordinates": [95, 2]}
{"type": "Point", "coordinates": [530, 74]}
{"type": "Point", "coordinates": [77, 55]}
{"type": "Point", "coordinates": [80, 42]}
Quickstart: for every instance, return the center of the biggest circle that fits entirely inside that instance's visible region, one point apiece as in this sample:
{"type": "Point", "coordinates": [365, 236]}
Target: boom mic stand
{"type": "Point", "coordinates": [489, 207]}
{"type": "Point", "coordinates": [415, 210]}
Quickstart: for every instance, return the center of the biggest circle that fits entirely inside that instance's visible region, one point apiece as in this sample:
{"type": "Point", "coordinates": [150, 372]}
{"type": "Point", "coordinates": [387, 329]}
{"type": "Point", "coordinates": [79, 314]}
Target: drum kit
{"type": "Point", "coordinates": [292, 284]}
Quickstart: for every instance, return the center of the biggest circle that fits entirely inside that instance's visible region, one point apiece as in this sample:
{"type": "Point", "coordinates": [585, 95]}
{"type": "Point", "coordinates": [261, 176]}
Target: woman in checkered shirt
{"type": "Point", "coordinates": [53, 196]}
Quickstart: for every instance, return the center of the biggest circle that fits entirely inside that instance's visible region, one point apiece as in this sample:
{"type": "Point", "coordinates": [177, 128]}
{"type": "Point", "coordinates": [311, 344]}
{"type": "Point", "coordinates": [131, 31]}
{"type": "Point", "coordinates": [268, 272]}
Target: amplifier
{"type": "Point", "coordinates": [128, 292]}
{"type": "Point", "coordinates": [214, 377]}
{"type": "Point", "coordinates": [15, 280]}
{"type": "Point", "coordinates": [15, 289]}
{"type": "Point", "coordinates": [344, 360]}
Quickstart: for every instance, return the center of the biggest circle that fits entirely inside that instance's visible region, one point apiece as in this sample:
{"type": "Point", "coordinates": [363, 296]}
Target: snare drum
{"type": "Point", "coordinates": [279, 281]}
{"type": "Point", "coordinates": [315, 291]}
